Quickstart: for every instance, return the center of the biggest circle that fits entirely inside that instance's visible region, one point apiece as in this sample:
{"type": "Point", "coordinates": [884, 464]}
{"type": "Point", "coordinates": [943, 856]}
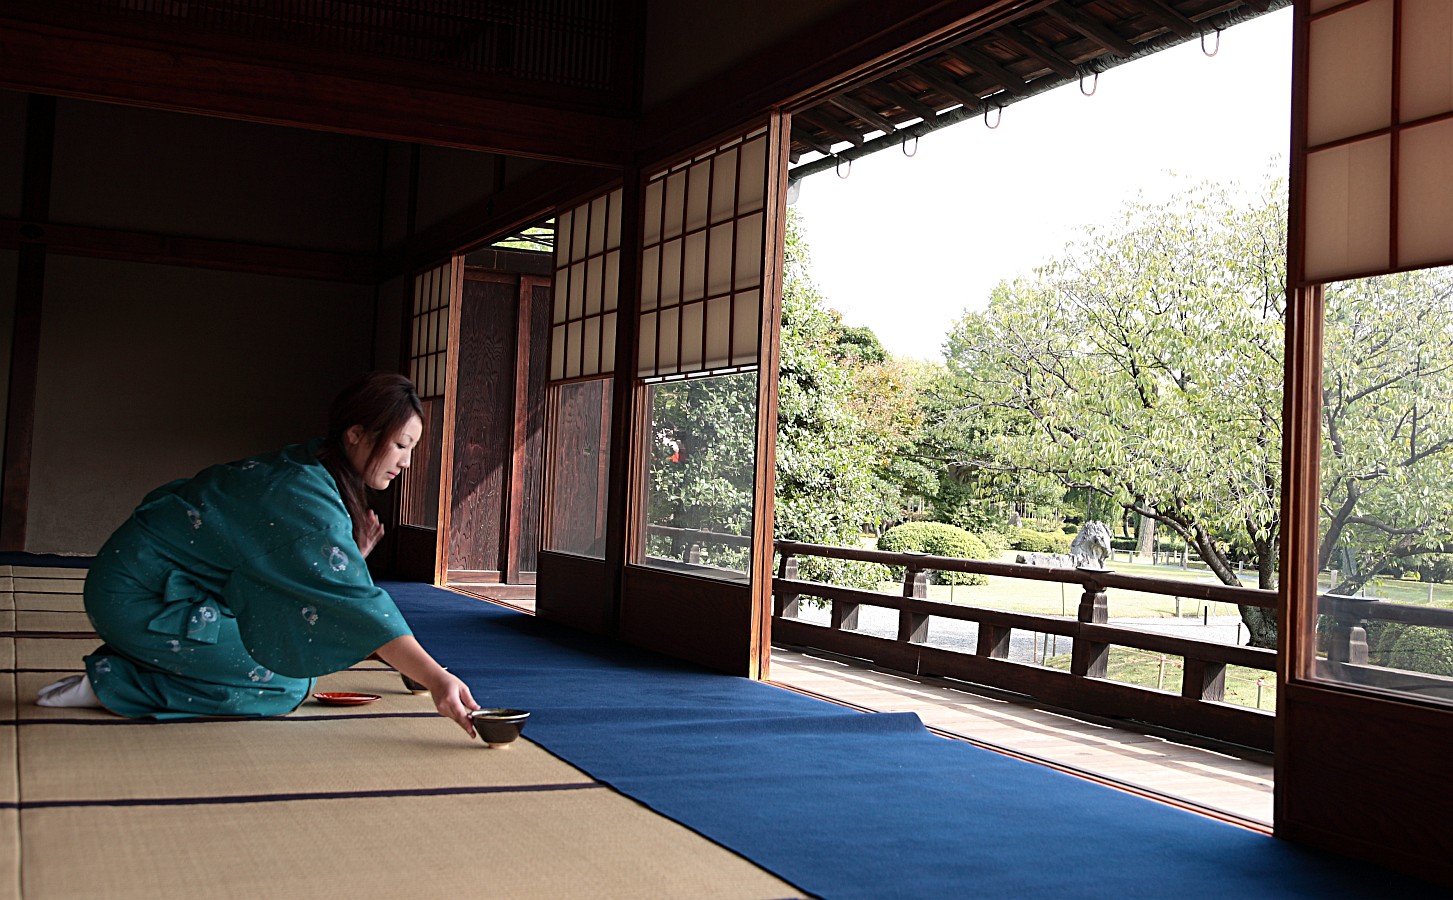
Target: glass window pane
{"type": "Point", "coordinates": [579, 459]}
{"type": "Point", "coordinates": [699, 482]}
{"type": "Point", "coordinates": [1386, 551]}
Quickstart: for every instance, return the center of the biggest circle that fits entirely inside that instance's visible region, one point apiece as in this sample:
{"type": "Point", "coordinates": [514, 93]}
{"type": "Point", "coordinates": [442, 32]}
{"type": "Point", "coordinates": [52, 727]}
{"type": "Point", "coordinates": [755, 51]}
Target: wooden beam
{"type": "Point", "coordinates": [198, 253]}
{"type": "Point", "coordinates": [804, 136]}
{"type": "Point", "coordinates": [931, 74]}
{"type": "Point", "coordinates": [1009, 34]}
{"type": "Point", "coordinates": [1092, 29]}
{"type": "Point", "coordinates": [1167, 16]}
{"type": "Point", "coordinates": [65, 62]}
{"type": "Point", "coordinates": [830, 125]}
{"type": "Point", "coordinates": [902, 97]}
{"type": "Point", "coordinates": [864, 112]}
{"type": "Point", "coordinates": [986, 66]}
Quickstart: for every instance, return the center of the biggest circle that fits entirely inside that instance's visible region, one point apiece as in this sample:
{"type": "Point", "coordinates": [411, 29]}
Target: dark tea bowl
{"type": "Point", "coordinates": [499, 727]}
{"type": "Point", "coordinates": [413, 686]}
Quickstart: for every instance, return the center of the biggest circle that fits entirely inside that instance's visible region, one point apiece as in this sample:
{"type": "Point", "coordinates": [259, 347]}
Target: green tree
{"type": "Point", "coordinates": [1143, 366]}
{"type": "Point", "coordinates": [1387, 424]}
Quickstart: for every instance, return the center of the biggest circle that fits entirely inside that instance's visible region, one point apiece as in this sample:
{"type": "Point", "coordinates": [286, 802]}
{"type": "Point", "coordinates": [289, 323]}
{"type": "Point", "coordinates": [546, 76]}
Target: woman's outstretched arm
{"type": "Point", "coordinates": [451, 696]}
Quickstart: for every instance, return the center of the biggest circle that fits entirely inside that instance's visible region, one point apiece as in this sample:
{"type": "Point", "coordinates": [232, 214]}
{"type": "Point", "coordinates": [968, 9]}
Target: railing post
{"type": "Point", "coordinates": [788, 605]}
{"type": "Point", "coordinates": [1347, 643]}
{"type": "Point", "coordinates": [913, 627]}
{"type": "Point", "coordinates": [844, 615]}
{"type": "Point", "coordinates": [1204, 680]}
{"type": "Point", "coordinates": [994, 641]}
{"type": "Point", "coordinates": [693, 554]}
{"type": "Point", "coordinates": [1091, 659]}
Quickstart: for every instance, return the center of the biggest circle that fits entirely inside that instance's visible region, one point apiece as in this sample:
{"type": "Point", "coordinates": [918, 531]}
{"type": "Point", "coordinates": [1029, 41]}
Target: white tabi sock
{"type": "Point", "coordinates": [73, 690]}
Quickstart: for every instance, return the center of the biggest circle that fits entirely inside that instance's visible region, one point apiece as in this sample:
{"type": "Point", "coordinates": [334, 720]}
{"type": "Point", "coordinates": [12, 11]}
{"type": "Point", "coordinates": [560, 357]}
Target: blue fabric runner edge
{"type": "Point", "coordinates": [846, 804]}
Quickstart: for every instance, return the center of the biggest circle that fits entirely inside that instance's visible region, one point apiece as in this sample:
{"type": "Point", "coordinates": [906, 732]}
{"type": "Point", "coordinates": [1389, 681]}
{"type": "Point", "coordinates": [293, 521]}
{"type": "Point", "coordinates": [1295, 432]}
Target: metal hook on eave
{"type": "Point", "coordinates": [1218, 42]}
{"type": "Point", "coordinates": [999, 119]}
{"type": "Point", "coordinates": [838, 170]}
{"type": "Point", "coordinates": [903, 145]}
{"type": "Point", "coordinates": [1094, 85]}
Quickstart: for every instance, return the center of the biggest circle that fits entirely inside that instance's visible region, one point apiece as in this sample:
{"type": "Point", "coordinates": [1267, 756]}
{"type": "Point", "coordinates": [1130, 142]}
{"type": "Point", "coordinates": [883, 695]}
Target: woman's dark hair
{"type": "Point", "coordinates": [380, 402]}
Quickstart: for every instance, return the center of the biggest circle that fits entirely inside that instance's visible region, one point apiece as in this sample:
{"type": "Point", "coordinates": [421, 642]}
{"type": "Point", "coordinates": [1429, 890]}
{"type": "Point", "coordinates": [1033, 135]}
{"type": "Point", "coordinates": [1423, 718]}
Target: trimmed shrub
{"type": "Point", "coordinates": [1381, 636]}
{"type": "Point", "coordinates": [994, 542]}
{"type": "Point", "coordinates": [1031, 541]}
{"type": "Point", "coordinates": [936, 539]}
{"type": "Point", "coordinates": [1423, 649]}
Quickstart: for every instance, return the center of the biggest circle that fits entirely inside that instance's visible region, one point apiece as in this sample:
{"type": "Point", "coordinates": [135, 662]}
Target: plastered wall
{"type": "Point", "coordinates": [12, 152]}
{"type": "Point", "coordinates": [170, 173]}
{"type": "Point", "coordinates": [150, 373]}
{"type": "Point", "coordinates": [7, 316]}
{"type": "Point", "coordinates": [450, 181]}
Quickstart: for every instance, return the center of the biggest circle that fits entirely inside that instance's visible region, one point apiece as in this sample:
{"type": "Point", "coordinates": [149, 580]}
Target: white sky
{"type": "Point", "coordinates": [906, 245]}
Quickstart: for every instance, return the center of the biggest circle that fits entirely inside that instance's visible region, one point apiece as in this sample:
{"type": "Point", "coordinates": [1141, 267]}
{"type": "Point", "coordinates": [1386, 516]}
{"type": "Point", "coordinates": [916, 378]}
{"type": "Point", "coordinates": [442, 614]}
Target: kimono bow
{"type": "Point", "coordinates": [190, 611]}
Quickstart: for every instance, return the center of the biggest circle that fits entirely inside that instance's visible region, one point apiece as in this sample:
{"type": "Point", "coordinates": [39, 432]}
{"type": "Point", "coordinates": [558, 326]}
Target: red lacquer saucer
{"type": "Point", "coordinates": [336, 698]}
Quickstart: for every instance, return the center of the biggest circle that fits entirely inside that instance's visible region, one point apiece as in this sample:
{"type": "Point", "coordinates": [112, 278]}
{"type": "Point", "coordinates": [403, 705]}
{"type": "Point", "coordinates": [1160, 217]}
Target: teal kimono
{"type": "Point", "coordinates": [225, 594]}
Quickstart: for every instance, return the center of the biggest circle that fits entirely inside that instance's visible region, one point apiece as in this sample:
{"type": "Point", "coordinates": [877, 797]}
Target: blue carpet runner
{"type": "Point", "coordinates": [846, 804]}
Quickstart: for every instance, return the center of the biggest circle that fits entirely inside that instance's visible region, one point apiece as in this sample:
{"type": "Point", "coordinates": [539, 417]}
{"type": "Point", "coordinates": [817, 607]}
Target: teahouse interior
{"type": "Point", "coordinates": [213, 215]}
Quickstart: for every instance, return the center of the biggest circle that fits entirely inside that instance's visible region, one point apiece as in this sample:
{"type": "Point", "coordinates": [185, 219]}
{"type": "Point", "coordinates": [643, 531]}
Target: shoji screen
{"type": "Point", "coordinates": [587, 285]}
{"type": "Point", "coordinates": [1379, 137]}
{"type": "Point", "coordinates": [428, 368]}
{"type": "Point", "coordinates": [582, 361]}
{"type": "Point", "coordinates": [701, 263]}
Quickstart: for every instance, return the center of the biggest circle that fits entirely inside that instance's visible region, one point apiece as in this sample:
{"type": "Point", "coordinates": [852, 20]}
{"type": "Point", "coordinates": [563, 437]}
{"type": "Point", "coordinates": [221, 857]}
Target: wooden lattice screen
{"type": "Point", "coordinates": [1378, 137]}
{"type": "Point", "coordinates": [701, 261]}
{"type": "Point", "coordinates": [587, 289]}
{"type": "Point", "coordinates": [428, 369]}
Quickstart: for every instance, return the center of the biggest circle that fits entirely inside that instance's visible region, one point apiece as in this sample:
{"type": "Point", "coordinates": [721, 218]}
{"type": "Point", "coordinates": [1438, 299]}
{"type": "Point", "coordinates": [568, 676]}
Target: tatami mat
{"type": "Point", "coordinates": [377, 801]}
{"type": "Point", "coordinates": [50, 620]}
{"type": "Point", "coordinates": [59, 602]}
{"type": "Point", "coordinates": [9, 853]}
{"type": "Point", "coordinates": [49, 585]}
{"type": "Point", "coordinates": [247, 758]}
{"type": "Point", "coordinates": [53, 654]}
{"type": "Point", "coordinates": [586, 843]}
{"type": "Point", "coordinates": [7, 697]}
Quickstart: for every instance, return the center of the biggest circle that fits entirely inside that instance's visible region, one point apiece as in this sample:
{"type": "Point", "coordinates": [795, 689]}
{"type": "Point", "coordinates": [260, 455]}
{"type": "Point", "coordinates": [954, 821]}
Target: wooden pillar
{"type": "Point", "coordinates": [1091, 659]}
{"type": "Point", "coordinates": [1204, 680]}
{"type": "Point", "coordinates": [787, 606]}
{"type": "Point", "coordinates": [913, 627]}
{"type": "Point", "coordinates": [25, 334]}
{"type": "Point", "coordinates": [769, 355]}
{"type": "Point", "coordinates": [627, 431]}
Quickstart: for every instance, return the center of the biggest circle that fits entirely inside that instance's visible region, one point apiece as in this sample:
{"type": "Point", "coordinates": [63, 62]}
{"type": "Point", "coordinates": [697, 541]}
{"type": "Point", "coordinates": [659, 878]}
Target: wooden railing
{"type": "Point", "coordinates": [1347, 652]}
{"type": "Point", "coordinates": [1198, 709]}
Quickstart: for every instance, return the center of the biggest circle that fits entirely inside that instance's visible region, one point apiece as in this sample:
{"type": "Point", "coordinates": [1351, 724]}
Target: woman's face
{"type": "Point", "coordinates": [391, 460]}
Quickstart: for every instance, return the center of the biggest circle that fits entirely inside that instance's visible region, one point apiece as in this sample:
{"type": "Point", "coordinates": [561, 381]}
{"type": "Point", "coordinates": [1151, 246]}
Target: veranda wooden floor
{"type": "Point", "coordinates": [1233, 782]}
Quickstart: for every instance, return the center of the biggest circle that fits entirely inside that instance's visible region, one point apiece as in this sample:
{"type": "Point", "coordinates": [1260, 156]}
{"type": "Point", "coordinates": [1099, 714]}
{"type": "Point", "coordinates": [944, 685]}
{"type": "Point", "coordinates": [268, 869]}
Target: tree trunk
{"type": "Point", "coordinates": [1146, 548]}
{"type": "Point", "coordinates": [1261, 622]}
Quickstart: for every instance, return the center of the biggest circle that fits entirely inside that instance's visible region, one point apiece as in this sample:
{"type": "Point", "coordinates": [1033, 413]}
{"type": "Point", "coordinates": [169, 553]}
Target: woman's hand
{"type": "Point", "coordinates": [453, 700]}
{"type": "Point", "coordinates": [369, 533]}
{"type": "Point", "coordinates": [451, 696]}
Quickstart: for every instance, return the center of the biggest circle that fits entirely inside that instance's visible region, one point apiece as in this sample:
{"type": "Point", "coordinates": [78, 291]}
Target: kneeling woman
{"type": "Point", "coordinates": [225, 594]}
